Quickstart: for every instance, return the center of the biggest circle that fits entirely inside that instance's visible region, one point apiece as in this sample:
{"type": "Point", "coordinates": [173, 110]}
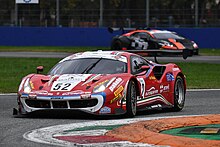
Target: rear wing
{"type": "Point", "coordinates": [185, 53]}
{"type": "Point", "coordinates": [122, 29]}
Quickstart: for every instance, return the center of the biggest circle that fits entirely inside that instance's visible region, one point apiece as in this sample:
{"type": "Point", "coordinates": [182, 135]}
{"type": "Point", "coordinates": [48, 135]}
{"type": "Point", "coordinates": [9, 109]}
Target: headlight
{"type": "Point", "coordinates": [27, 86]}
{"type": "Point", "coordinates": [101, 86]}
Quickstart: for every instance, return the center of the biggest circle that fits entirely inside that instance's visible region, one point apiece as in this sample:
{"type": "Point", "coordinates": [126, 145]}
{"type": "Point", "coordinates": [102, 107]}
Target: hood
{"type": "Point", "coordinates": [180, 43]}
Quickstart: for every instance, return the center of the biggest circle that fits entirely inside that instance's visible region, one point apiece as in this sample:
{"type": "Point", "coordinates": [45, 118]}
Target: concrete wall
{"type": "Point", "coordinates": [37, 36]}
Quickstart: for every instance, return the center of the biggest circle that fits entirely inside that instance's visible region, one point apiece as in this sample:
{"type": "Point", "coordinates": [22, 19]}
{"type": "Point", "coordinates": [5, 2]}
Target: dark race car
{"type": "Point", "coordinates": [103, 83]}
{"type": "Point", "coordinates": [152, 39]}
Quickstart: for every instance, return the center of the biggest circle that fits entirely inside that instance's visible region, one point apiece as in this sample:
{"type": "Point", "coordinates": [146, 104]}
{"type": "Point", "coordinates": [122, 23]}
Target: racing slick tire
{"type": "Point", "coordinates": [120, 43]}
{"type": "Point", "coordinates": [116, 45]}
{"type": "Point", "coordinates": [179, 94]}
{"type": "Point", "coordinates": [131, 100]}
{"type": "Point", "coordinates": [196, 52]}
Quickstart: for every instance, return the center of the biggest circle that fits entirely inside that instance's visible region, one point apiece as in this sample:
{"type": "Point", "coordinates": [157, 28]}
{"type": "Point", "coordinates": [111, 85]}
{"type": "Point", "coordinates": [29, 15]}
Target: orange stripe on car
{"type": "Point", "coordinates": [177, 44]}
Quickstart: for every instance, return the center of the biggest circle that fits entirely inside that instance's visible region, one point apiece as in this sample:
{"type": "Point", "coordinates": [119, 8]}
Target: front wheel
{"type": "Point", "coordinates": [116, 45]}
{"type": "Point", "coordinates": [179, 94]}
{"type": "Point", "coordinates": [131, 100]}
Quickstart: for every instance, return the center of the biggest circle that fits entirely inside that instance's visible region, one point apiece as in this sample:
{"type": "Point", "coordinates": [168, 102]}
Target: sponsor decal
{"type": "Point", "coordinates": [57, 98]}
{"type": "Point", "coordinates": [115, 84]}
{"type": "Point", "coordinates": [164, 88]}
{"type": "Point", "coordinates": [105, 110]}
{"type": "Point", "coordinates": [142, 83]}
{"type": "Point", "coordinates": [32, 96]}
{"type": "Point", "coordinates": [68, 82]}
{"type": "Point", "coordinates": [86, 95]}
{"type": "Point", "coordinates": [151, 91]}
{"type": "Point", "coordinates": [119, 90]}
{"type": "Point", "coordinates": [170, 77]}
{"type": "Point", "coordinates": [152, 78]}
{"type": "Point", "coordinates": [156, 106]}
{"type": "Point", "coordinates": [116, 98]}
{"type": "Point", "coordinates": [50, 94]}
{"type": "Point", "coordinates": [77, 77]}
{"type": "Point", "coordinates": [77, 92]}
{"type": "Point", "coordinates": [42, 92]}
{"type": "Point", "coordinates": [27, 1]}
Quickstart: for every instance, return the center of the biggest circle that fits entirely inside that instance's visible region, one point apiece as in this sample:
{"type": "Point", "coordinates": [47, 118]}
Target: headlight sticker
{"type": "Point", "coordinates": [101, 86]}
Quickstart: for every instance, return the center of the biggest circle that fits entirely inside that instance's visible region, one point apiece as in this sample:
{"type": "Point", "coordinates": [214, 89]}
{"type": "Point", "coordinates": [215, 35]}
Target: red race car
{"type": "Point", "coordinates": [144, 39]}
{"type": "Point", "coordinates": [103, 83]}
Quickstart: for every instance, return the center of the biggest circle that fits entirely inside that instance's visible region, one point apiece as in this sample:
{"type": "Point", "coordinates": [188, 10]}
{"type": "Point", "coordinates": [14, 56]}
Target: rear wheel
{"type": "Point", "coordinates": [131, 100]}
{"type": "Point", "coordinates": [179, 94]}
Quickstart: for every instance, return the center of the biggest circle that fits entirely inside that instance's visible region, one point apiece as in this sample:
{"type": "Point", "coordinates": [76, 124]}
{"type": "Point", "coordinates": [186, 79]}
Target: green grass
{"type": "Point", "coordinates": [13, 69]}
{"type": "Point", "coordinates": [198, 75]}
{"type": "Point", "coordinates": [207, 52]}
{"type": "Point", "coordinates": [201, 75]}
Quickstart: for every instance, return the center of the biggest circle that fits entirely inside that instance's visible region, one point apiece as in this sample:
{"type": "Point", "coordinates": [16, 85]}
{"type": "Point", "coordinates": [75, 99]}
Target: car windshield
{"type": "Point", "coordinates": [89, 66]}
{"type": "Point", "coordinates": [167, 36]}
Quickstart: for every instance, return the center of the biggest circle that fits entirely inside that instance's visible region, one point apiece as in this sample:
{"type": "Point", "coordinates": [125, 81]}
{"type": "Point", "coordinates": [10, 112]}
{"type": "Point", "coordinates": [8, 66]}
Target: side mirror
{"type": "Point", "coordinates": [40, 69]}
{"type": "Point", "coordinates": [145, 67]}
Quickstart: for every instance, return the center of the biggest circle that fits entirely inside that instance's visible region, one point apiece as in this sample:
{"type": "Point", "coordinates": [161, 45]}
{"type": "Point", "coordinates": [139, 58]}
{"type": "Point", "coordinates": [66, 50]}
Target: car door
{"type": "Point", "coordinates": [149, 80]}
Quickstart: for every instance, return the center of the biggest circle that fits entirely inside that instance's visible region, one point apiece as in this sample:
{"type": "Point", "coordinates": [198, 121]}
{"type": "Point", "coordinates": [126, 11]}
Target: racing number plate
{"type": "Point", "coordinates": [63, 86]}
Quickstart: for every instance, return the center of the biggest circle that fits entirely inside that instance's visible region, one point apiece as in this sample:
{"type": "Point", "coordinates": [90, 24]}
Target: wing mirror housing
{"type": "Point", "coordinates": [40, 69]}
{"type": "Point", "coordinates": [145, 67]}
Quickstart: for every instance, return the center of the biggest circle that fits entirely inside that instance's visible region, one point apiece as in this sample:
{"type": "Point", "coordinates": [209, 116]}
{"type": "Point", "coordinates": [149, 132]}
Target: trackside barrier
{"type": "Point", "coordinates": [57, 36]}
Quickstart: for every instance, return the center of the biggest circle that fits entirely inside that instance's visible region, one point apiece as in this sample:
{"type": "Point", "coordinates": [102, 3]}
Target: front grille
{"type": "Point", "coordinates": [83, 103]}
{"type": "Point", "coordinates": [38, 103]}
{"type": "Point", "coordinates": [61, 104]}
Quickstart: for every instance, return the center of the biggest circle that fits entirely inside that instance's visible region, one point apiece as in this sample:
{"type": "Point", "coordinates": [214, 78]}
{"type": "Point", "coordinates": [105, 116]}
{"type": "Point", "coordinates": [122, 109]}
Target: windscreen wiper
{"type": "Point", "coordinates": [91, 66]}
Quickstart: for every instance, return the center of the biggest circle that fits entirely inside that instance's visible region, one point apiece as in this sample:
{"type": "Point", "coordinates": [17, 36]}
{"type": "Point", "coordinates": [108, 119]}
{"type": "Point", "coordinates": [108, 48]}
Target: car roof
{"type": "Point", "coordinates": [153, 31]}
{"type": "Point", "coordinates": [114, 55]}
{"type": "Point", "coordinates": [158, 31]}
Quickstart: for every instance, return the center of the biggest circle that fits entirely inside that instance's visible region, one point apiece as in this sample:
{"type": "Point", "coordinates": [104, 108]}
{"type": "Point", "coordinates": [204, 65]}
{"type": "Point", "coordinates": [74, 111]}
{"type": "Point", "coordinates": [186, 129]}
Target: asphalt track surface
{"type": "Point", "coordinates": [12, 128]}
{"type": "Point", "coordinates": [205, 59]}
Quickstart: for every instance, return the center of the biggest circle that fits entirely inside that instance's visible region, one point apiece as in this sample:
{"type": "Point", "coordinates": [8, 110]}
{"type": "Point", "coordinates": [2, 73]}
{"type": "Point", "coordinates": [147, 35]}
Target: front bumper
{"type": "Point", "coordinates": [28, 104]}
